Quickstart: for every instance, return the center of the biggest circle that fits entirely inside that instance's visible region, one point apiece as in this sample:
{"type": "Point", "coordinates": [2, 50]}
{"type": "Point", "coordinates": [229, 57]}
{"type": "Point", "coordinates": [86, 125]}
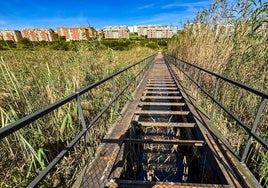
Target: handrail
{"type": "Point", "coordinates": [239, 84]}
{"type": "Point", "coordinates": [5, 131]}
{"type": "Point", "coordinates": [251, 132]}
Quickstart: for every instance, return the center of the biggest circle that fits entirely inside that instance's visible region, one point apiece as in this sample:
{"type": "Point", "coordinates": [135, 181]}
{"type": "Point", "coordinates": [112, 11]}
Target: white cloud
{"type": "Point", "coordinates": [146, 6]}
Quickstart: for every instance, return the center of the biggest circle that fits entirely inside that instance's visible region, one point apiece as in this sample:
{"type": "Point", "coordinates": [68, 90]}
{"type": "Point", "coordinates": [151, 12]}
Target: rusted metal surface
{"type": "Point", "coordinates": [160, 97]}
{"type": "Point", "coordinates": [146, 184]}
{"type": "Point", "coordinates": [160, 82]}
{"type": "Point", "coordinates": [97, 172]}
{"type": "Point", "coordinates": [160, 85]}
{"type": "Point", "coordinates": [158, 143]}
{"type": "Point", "coordinates": [144, 112]}
{"type": "Point", "coordinates": [162, 88]}
{"type": "Point", "coordinates": [163, 141]}
{"type": "Point", "coordinates": [161, 104]}
{"type": "Point", "coordinates": [161, 92]}
{"type": "Point", "coordinates": [166, 124]}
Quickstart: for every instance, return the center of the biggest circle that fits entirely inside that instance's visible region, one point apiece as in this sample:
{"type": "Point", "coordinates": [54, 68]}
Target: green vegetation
{"type": "Point", "coordinates": [5, 45]}
{"type": "Point", "coordinates": [238, 51]}
{"type": "Point", "coordinates": [62, 44]}
{"type": "Point", "coordinates": [35, 74]}
{"type": "Point", "coordinates": [35, 77]}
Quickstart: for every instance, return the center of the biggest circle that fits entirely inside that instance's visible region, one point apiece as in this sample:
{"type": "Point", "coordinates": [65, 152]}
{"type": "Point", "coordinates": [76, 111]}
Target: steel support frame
{"type": "Point", "coordinates": [250, 131]}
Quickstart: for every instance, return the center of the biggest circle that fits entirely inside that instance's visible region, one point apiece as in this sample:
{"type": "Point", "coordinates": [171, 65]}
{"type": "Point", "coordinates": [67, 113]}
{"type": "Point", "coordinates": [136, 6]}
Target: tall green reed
{"type": "Point", "coordinates": [231, 39]}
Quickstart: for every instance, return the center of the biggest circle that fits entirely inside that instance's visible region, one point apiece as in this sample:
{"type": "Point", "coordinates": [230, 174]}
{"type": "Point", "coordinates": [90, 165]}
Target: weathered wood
{"type": "Point", "coordinates": [162, 88]}
{"type": "Point", "coordinates": [161, 92]}
{"type": "Point", "coordinates": [161, 82]}
{"type": "Point", "coordinates": [166, 124]}
{"type": "Point", "coordinates": [160, 97]}
{"type": "Point", "coordinates": [161, 79]}
{"type": "Point", "coordinates": [160, 112]}
{"type": "Point", "coordinates": [161, 85]}
{"type": "Point", "coordinates": [161, 104]}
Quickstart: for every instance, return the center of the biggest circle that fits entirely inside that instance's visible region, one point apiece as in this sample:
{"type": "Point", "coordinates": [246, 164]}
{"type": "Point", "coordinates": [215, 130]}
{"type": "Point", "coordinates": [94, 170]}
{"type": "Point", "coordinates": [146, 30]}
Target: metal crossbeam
{"type": "Point", "coordinates": [161, 112]}
{"type": "Point", "coordinates": [162, 141]}
{"type": "Point", "coordinates": [166, 124]}
{"type": "Point", "coordinates": [161, 104]}
{"type": "Point", "coordinates": [161, 97]}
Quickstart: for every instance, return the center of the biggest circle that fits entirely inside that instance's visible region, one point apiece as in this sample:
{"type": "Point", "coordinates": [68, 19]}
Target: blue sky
{"type": "Point", "coordinates": [18, 14]}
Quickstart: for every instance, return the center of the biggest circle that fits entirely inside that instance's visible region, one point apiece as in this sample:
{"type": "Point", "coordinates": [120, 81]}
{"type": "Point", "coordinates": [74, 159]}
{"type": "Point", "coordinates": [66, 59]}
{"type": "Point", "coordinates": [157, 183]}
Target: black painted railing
{"type": "Point", "coordinates": [140, 68]}
{"type": "Point", "coordinates": [194, 73]}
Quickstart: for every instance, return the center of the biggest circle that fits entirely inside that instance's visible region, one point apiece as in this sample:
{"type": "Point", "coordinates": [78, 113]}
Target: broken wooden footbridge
{"type": "Point", "coordinates": [161, 137]}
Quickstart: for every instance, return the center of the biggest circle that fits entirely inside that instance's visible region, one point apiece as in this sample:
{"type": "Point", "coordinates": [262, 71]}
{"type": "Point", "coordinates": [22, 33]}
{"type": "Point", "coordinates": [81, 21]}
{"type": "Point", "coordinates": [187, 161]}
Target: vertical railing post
{"type": "Point", "coordinates": [184, 67]}
{"type": "Point", "coordinates": [214, 98]}
{"type": "Point", "coordinates": [198, 84]}
{"type": "Point", "coordinates": [127, 78]}
{"type": "Point", "coordinates": [141, 69]}
{"type": "Point", "coordinates": [136, 75]}
{"type": "Point", "coordinates": [114, 93]}
{"type": "Point", "coordinates": [81, 115]}
{"type": "Point", "coordinates": [135, 80]}
{"type": "Point", "coordinates": [253, 129]}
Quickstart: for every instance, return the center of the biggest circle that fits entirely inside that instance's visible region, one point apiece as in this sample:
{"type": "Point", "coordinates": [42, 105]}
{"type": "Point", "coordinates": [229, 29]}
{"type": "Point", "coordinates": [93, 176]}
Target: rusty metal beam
{"type": "Point", "coordinates": [161, 82]}
{"type": "Point", "coordinates": [164, 141]}
{"type": "Point", "coordinates": [161, 92]}
{"type": "Point", "coordinates": [153, 184]}
{"type": "Point", "coordinates": [161, 97]}
{"type": "Point", "coordinates": [160, 112]}
{"type": "Point", "coordinates": [166, 124]}
{"type": "Point", "coordinates": [161, 104]}
{"type": "Point", "coordinates": [162, 88]}
{"type": "Point", "coordinates": [160, 85]}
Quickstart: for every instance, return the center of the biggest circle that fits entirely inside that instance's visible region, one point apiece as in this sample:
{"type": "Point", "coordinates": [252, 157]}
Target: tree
{"type": "Point", "coordinates": [25, 43]}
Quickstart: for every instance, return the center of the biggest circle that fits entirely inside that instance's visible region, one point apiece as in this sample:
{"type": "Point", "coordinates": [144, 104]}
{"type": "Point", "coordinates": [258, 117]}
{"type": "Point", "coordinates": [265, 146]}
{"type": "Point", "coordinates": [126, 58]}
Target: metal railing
{"type": "Point", "coordinates": [142, 66]}
{"type": "Point", "coordinates": [185, 68]}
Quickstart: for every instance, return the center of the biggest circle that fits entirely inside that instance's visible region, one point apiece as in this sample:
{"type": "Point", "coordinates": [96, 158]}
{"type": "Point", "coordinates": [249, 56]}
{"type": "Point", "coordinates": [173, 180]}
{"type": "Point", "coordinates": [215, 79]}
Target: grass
{"type": "Point", "coordinates": [32, 79]}
{"type": "Point", "coordinates": [239, 52]}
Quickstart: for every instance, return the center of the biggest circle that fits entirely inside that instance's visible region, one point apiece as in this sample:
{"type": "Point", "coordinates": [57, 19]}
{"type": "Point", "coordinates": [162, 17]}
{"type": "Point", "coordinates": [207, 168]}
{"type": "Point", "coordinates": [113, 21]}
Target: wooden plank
{"type": "Point", "coordinates": [160, 82]}
{"type": "Point", "coordinates": [161, 85]}
{"type": "Point", "coordinates": [161, 112]}
{"type": "Point", "coordinates": [166, 124]}
{"type": "Point", "coordinates": [163, 141]}
{"type": "Point", "coordinates": [162, 88]}
{"type": "Point", "coordinates": [161, 92]}
{"type": "Point", "coordinates": [161, 97]}
{"type": "Point", "coordinates": [161, 79]}
{"type": "Point", "coordinates": [159, 74]}
{"type": "Point", "coordinates": [161, 104]}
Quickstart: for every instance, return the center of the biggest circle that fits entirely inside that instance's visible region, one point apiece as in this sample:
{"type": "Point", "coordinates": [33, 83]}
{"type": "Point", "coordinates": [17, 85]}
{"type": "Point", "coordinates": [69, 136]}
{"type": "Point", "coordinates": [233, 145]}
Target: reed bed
{"type": "Point", "coordinates": [231, 39]}
{"type": "Point", "coordinates": [30, 80]}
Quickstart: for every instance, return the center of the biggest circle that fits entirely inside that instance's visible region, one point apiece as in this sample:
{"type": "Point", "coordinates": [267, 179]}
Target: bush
{"type": "Point", "coordinates": [25, 43]}
{"type": "Point", "coordinates": [6, 44]}
{"type": "Point", "coordinates": [152, 45]}
{"type": "Point", "coordinates": [121, 44]}
{"type": "Point", "coordinates": [59, 45]}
